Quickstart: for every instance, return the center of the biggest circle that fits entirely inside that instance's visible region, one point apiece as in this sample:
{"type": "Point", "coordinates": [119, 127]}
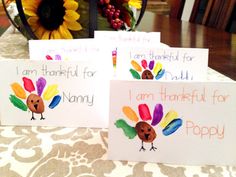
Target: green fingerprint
{"type": "Point", "coordinates": [135, 74]}
{"type": "Point", "coordinates": [18, 103]}
{"type": "Point", "coordinates": [129, 131]}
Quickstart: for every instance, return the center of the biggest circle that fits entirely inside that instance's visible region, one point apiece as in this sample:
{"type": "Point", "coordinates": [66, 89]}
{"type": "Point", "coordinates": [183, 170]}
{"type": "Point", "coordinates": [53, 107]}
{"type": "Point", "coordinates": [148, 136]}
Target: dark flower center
{"type": "Point", "coordinates": [51, 13]}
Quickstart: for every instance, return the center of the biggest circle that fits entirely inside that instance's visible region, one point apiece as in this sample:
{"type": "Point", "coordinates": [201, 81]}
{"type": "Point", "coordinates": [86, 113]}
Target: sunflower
{"type": "Point", "coordinates": [135, 3]}
{"type": "Point", "coordinates": [52, 19]}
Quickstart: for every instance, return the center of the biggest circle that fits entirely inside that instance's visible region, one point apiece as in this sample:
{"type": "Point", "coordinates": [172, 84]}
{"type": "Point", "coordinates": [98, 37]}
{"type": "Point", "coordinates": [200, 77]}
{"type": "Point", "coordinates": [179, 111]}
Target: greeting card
{"type": "Point", "coordinates": [136, 38]}
{"type": "Point", "coordinates": [45, 93]}
{"type": "Point", "coordinates": [175, 64]}
{"type": "Point", "coordinates": [191, 123]}
{"type": "Point", "coordinates": [61, 50]}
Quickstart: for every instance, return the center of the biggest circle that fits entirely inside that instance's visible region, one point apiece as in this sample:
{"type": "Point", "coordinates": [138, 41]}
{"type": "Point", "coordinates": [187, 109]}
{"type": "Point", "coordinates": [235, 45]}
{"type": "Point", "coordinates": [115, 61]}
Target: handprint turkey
{"type": "Point", "coordinates": [147, 71]}
{"type": "Point", "coordinates": [145, 131]}
{"type": "Point", "coordinates": [34, 101]}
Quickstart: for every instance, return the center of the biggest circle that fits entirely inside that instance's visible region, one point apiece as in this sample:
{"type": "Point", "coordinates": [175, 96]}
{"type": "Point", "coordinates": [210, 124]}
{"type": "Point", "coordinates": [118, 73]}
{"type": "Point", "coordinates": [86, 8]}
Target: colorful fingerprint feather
{"type": "Point", "coordinates": [160, 74]}
{"type": "Point", "coordinates": [151, 64]}
{"type": "Point", "coordinates": [28, 84]}
{"type": "Point", "coordinates": [18, 103]}
{"type": "Point", "coordinates": [157, 68]}
{"type": "Point", "coordinates": [170, 116]}
{"type": "Point", "coordinates": [129, 131]}
{"type": "Point", "coordinates": [135, 74]}
{"type": "Point", "coordinates": [40, 84]}
{"type": "Point", "coordinates": [18, 90]}
{"type": "Point", "coordinates": [130, 113]}
{"type": "Point", "coordinates": [50, 92]}
{"type": "Point", "coordinates": [144, 112]}
{"type": "Point", "coordinates": [172, 127]}
{"type": "Point", "coordinates": [157, 114]}
{"type": "Point", "coordinates": [136, 66]}
{"type": "Point", "coordinates": [55, 101]}
{"type": "Point", "coordinates": [144, 64]}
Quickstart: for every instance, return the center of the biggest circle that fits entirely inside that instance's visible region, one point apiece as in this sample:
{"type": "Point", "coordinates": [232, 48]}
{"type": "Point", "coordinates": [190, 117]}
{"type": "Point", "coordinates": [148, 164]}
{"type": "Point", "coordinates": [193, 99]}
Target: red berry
{"type": "Point", "coordinates": [111, 14]}
{"type": "Point", "coordinates": [114, 26]}
{"type": "Point", "coordinates": [118, 25]}
{"type": "Point", "coordinates": [117, 20]}
{"type": "Point", "coordinates": [112, 21]}
{"type": "Point", "coordinates": [116, 15]}
{"type": "Point", "coordinates": [107, 11]}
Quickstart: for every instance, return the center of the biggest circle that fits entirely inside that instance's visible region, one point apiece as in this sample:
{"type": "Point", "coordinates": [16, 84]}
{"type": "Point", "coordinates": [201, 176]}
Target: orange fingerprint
{"type": "Point", "coordinates": [130, 113]}
{"type": "Point", "coordinates": [136, 66]}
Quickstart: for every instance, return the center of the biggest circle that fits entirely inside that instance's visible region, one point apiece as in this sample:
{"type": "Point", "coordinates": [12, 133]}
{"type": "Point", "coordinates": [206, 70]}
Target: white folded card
{"type": "Point", "coordinates": [44, 93]}
{"type": "Point", "coordinates": [136, 38]}
{"type": "Point", "coordinates": [61, 50]}
{"type": "Point", "coordinates": [191, 123]}
{"type": "Point", "coordinates": [177, 64]}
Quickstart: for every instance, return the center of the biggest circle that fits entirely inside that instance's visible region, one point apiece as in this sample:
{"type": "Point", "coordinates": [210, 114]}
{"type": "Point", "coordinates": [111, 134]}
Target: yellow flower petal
{"type": "Point", "coordinates": [71, 5]}
{"type": "Point", "coordinates": [65, 33]}
{"type": "Point", "coordinates": [46, 35]}
{"type": "Point", "coordinates": [39, 32]}
{"type": "Point", "coordinates": [135, 3]}
{"type": "Point", "coordinates": [71, 15]}
{"type": "Point", "coordinates": [30, 12]}
{"type": "Point", "coordinates": [33, 22]}
{"type": "Point", "coordinates": [55, 34]}
{"type": "Point", "coordinates": [29, 4]}
{"type": "Point", "coordinates": [75, 26]}
{"type": "Point", "coordinates": [70, 20]}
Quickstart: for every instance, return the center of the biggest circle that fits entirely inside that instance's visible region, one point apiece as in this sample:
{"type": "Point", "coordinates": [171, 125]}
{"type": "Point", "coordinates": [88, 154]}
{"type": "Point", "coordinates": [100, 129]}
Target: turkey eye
{"type": "Point", "coordinates": [32, 101]}
{"type": "Point", "coordinates": [149, 129]}
{"type": "Point", "coordinates": [142, 130]}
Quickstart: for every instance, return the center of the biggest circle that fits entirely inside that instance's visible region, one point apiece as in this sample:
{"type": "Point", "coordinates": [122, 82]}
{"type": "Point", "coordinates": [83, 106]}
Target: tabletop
{"type": "Point", "coordinates": [176, 33]}
{"type": "Point", "coordinates": [60, 151]}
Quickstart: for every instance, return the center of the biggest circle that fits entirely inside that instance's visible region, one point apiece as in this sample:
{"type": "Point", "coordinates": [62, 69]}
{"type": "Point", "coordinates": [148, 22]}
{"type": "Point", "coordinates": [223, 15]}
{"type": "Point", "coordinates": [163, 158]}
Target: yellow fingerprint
{"type": "Point", "coordinates": [157, 68]}
{"type": "Point", "coordinates": [171, 115]}
{"type": "Point", "coordinates": [50, 92]}
{"type": "Point", "coordinates": [136, 66]}
{"type": "Point", "coordinates": [18, 90]}
{"type": "Point", "coordinates": [130, 113]}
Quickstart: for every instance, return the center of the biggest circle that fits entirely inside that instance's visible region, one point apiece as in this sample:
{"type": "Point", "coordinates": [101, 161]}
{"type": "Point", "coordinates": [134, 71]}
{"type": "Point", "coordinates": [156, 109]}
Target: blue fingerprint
{"type": "Point", "coordinates": [172, 127]}
{"type": "Point", "coordinates": [160, 74]}
{"type": "Point", "coordinates": [55, 101]}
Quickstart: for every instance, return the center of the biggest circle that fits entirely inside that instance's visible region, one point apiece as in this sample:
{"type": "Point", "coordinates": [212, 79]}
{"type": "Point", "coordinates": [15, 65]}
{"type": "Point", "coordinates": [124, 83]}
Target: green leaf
{"type": "Point", "coordinates": [131, 14]}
